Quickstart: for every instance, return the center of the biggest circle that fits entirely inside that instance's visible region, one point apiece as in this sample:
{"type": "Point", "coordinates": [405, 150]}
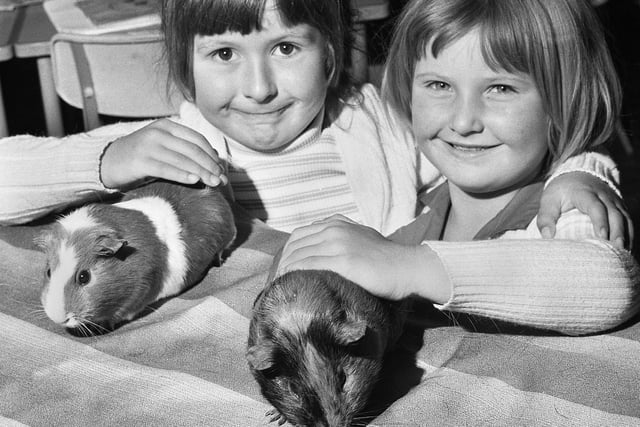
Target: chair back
{"type": "Point", "coordinates": [121, 75]}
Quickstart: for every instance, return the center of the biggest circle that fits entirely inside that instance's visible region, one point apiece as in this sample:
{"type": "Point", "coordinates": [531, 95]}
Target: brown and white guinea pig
{"type": "Point", "coordinates": [107, 262]}
{"type": "Point", "coordinates": [316, 346]}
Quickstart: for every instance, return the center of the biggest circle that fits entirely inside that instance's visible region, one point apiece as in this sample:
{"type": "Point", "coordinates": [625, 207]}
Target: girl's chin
{"type": "Point", "coordinates": [260, 143]}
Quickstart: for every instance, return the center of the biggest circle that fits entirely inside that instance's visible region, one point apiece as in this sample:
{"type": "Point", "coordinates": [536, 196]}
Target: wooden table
{"type": "Point", "coordinates": [30, 31]}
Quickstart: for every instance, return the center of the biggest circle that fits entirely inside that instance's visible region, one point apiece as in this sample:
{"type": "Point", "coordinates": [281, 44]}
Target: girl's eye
{"type": "Point", "coordinates": [438, 86]}
{"type": "Point", "coordinates": [501, 89]}
{"type": "Point", "coordinates": [286, 49]}
{"type": "Point", "coordinates": [84, 276]}
{"type": "Point", "coordinates": [225, 54]}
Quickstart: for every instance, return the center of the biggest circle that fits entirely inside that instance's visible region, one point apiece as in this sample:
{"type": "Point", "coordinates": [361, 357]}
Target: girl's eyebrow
{"type": "Point", "coordinates": [301, 32]}
{"type": "Point", "coordinates": [497, 76]}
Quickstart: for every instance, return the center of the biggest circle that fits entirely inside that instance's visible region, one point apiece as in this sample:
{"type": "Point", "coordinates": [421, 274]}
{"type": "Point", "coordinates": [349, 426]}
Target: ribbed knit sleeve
{"type": "Point", "coordinates": [569, 286]}
{"type": "Point", "coordinates": [596, 164]}
{"type": "Point", "coordinates": [39, 175]}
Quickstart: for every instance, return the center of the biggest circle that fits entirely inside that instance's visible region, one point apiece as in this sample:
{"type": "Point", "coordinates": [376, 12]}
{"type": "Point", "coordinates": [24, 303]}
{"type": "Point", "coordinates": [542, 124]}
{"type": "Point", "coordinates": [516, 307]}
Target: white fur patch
{"type": "Point", "coordinates": [168, 228]}
{"type": "Point", "coordinates": [53, 297]}
{"type": "Point", "coordinates": [77, 219]}
{"type": "Point", "coordinates": [291, 318]}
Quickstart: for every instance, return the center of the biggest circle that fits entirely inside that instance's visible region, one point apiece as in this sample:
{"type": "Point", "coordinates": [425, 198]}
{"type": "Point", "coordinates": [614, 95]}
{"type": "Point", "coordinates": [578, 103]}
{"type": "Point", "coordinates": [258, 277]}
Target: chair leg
{"type": "Point", "coordinates": [50, 101]}
{"type": "Point", "coordinates": [4, 129]}
{"type": "Point", "coordinates": [90, 114]}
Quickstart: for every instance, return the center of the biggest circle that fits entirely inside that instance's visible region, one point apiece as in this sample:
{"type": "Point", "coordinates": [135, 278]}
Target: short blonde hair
{"type": "Point", "coordinates": [559, 43]}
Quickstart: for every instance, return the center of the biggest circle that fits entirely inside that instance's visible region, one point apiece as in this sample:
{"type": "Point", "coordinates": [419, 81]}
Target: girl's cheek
{"type": "Point", "coordinates": [428, 119]}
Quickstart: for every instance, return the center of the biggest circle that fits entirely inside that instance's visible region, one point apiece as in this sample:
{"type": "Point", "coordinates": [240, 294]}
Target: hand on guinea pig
{"type": "Point", "coordinates": [163, 149]}
{"type": "Point", "coordinates": [358, 253]}
{"type": "Point", "coordinates": [385, 268]}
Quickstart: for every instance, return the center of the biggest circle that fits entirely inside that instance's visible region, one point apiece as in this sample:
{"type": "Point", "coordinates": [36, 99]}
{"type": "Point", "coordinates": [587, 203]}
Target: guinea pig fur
{"type": "Point", "coordinates": [316, 346]}
{"type": "Point", "coordinates": [107, 262]}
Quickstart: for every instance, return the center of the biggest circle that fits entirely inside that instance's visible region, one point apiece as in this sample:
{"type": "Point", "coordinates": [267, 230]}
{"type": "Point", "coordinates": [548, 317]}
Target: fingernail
{"type": "Point", "coordinates": [619, 242]}
{"type": "Point", "coordinates": [546, 233]}
{"type": "Point", "coordinates": [223, 179]}
{"type": "Point", "coordinates": [192, 178]}
{"type": "Point", "coordinates": [603, 233]}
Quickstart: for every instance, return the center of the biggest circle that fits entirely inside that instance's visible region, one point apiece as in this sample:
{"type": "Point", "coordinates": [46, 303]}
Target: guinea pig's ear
{"type": "Point", "coordinates": [260, 356]}
{"type": "Point", "coordinates": [108, 245]}
{"type": "Point", "coordinates": [44, 240]}
{"type": "Point", "coordinates": [350, 332]}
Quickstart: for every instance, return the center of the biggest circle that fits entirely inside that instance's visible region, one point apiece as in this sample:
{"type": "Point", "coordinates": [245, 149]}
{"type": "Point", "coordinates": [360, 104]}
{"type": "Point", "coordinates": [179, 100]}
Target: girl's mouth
{"type": "Point", "coordinates": [470, 148]}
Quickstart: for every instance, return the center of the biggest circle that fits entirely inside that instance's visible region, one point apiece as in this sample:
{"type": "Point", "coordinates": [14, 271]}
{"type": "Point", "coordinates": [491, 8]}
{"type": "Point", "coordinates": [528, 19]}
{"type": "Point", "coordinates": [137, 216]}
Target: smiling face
{"type": "Point", "coordinates": [264, 88]}
{"type": "Point", "coordinates": [484, 129]}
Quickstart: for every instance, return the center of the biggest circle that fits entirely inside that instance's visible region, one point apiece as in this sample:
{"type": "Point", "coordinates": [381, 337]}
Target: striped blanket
{"type": "Point", "coordinates": [183, 362]}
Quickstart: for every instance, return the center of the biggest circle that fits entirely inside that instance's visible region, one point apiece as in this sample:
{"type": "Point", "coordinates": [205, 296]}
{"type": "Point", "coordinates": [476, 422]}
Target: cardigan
{"type": "Point", "coordinates": [573, 284]}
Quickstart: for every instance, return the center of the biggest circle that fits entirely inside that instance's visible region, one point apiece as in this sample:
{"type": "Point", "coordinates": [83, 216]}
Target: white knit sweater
{"type": "Point", "coordinates": [574, 283]}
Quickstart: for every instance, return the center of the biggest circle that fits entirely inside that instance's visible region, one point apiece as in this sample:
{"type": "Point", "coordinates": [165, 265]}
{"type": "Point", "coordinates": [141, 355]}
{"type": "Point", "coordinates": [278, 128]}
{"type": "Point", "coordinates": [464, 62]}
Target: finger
{"type": "Point", "coordinates": [177, 161]}
{"type": "Point", "coordinates": [300, 248]}
{"type": "Point", "coordinates": [170, 172]}
{"type": "Point", "coordinates": [315, 228]}
{"type": "Point", "coordinates": [312, 262]}
{"type": "Point", "coordinates": [547, 218]}
{"type": "Point", "coordinates": [188, 134]}
{"type": "Point", "coordinates": [598, 214]}
{"type": "Point", "coordinates": [621, 225]}
{"type": "Point", "coordinates": [195, 155]}
{"type": "Point", "coordinates": [191, 144]}
{"type": "Point", "coordinates": [628, 224]}
{"type": "Point", "coordinates": [617, 227]}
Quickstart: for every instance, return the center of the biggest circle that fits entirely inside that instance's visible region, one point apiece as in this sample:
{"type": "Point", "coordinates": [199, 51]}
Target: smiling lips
{"type": "Point", "coordinates": [470, 148]}
{"type": "Point", "coordinates": [262, 113]}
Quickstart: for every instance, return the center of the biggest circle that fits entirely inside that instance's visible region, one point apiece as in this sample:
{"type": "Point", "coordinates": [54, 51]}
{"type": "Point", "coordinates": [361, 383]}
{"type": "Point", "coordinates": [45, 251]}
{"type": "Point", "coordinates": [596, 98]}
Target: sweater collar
{"type": "Point", "coordinates": [516, 215]}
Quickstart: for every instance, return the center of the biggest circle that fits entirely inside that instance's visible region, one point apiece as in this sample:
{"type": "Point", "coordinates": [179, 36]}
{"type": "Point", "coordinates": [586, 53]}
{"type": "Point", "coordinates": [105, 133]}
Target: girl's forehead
{"type": "Point", "coordinates": [498, 53]}
{"type": "Point", "coordinates": [301, 33]}
{"type": "Point", "coordinates": [227, 16]}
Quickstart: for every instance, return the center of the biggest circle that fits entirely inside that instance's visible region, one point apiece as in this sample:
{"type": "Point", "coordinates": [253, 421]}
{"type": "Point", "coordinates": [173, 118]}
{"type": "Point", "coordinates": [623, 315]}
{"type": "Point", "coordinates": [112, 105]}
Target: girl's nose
{"type": "Point", "coordinates": [259, 83]}
{"type": "Point", "coordinates": [467, 116]}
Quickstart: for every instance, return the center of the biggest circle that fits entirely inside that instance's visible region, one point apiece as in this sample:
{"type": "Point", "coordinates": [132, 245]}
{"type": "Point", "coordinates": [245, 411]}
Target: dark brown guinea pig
{"type": "Point", "coordinates": [316, 346]}
{"type": "Point", "coordinates": [107, 262]}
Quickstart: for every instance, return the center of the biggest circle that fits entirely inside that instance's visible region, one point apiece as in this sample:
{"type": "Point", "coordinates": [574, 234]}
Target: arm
{"type": "Point", "coordinates": [43, 175]}
{"type": "Point", "coordinates": [520, 278]}
{"type": "Point", "coordinates": [530, 283]}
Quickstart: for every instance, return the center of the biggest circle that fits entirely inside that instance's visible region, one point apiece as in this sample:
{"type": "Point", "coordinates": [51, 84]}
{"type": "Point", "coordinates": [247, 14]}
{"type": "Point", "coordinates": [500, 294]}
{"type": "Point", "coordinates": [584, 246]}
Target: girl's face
{"type": "Point", "coordinates": [264, 88]}
{"type": "Point", "coordinates": [485, 130]}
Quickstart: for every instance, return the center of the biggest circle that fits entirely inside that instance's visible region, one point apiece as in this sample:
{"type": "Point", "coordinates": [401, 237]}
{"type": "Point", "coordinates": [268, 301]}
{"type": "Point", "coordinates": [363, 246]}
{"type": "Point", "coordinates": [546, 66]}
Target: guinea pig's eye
{"type": "Point", "coordinates": [342, 378]}
{"type": "Point", "coordinates": [84, 276]}
{"type": "Point", "coordinates": [48, 273]}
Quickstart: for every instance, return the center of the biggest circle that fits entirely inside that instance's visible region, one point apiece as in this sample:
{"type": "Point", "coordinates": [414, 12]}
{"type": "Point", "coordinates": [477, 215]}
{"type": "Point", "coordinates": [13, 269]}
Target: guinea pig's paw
{"type": "Point", "coordinates": [275, 416]}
